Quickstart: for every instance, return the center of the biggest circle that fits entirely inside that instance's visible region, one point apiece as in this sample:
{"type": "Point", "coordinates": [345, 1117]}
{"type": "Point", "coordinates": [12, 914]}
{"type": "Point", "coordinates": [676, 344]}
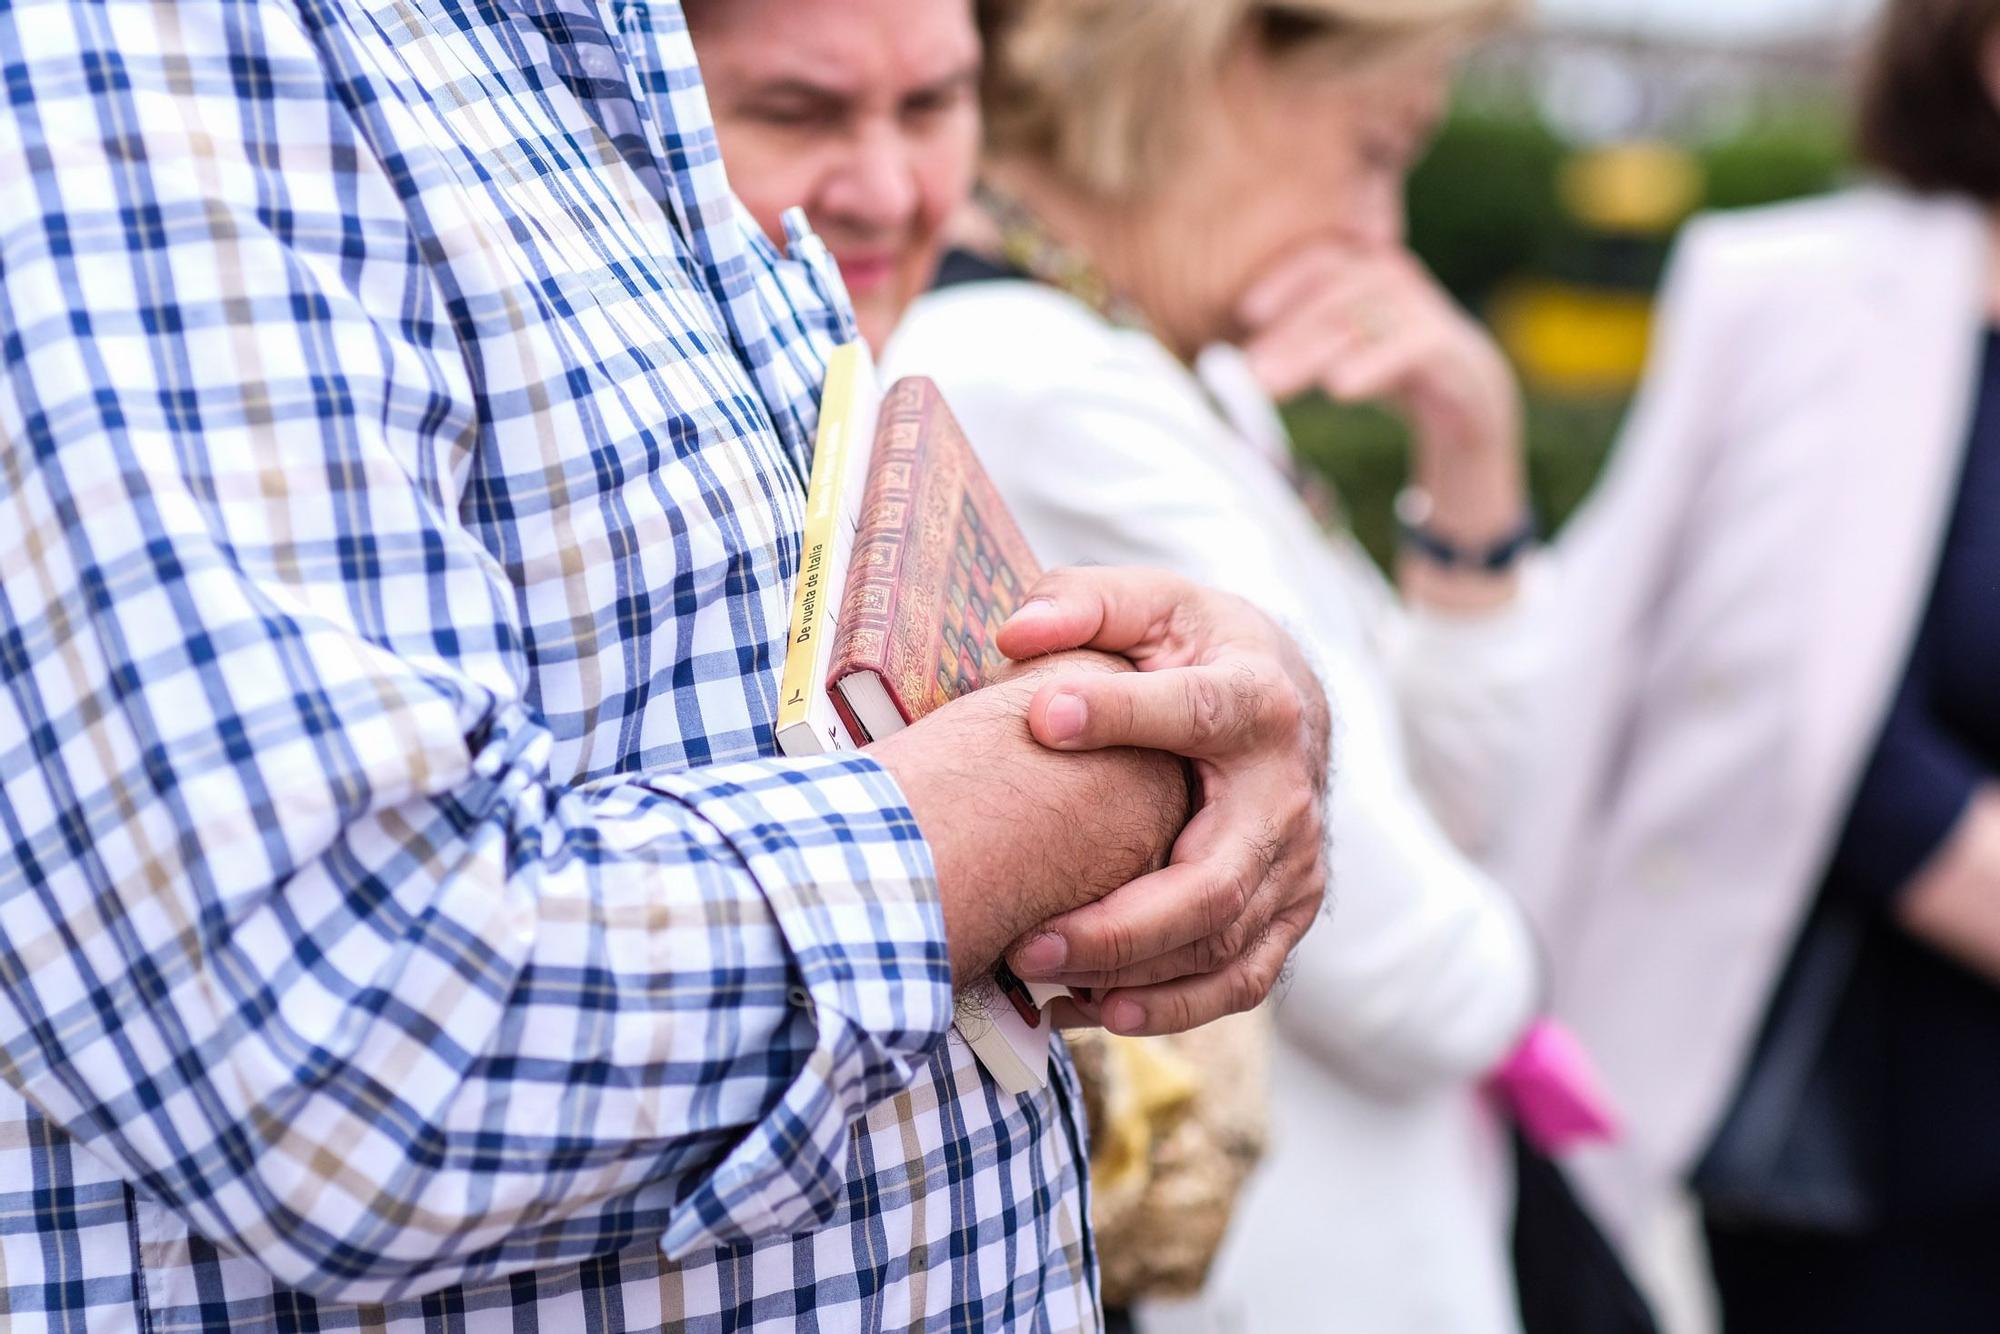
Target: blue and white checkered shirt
{"type": "Point", "coordinates": [401, 444]}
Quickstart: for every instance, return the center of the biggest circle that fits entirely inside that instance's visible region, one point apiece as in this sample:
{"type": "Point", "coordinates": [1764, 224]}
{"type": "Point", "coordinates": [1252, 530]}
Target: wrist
{"type": "Point", "coordinates": [1473, 493]}
{"type": "Point", "coordinates": [1489, 540]}
{"type": "Point", "coordinates": [944, 764]}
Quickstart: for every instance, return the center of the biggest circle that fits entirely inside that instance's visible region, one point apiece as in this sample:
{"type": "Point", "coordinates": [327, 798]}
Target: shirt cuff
{"type": "Point", "coordinates": [835, 850]}
{"type": "Point", "coordinates": [1916, 789]}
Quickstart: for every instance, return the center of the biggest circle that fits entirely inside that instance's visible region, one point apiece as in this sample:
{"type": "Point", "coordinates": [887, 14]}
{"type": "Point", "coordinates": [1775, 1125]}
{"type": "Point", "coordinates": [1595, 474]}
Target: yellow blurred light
{"type": "Point", "coordinates": [1575, 340]}
{"type": "Point", "coordinates": [1644, 187]}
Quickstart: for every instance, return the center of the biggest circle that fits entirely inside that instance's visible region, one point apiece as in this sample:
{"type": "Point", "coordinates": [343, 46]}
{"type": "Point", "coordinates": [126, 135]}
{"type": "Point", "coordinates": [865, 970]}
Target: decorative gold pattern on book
{"type": "Point", "coordinates": [981, 592]}
{"type": "Point", "coordinates": [938, 564]}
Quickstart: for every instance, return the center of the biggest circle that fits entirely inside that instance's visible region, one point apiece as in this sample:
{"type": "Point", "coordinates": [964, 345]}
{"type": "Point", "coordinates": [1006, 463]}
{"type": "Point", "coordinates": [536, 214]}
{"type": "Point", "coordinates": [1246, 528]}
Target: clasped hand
{"type": "Point", "coordinates": [1223, 686]}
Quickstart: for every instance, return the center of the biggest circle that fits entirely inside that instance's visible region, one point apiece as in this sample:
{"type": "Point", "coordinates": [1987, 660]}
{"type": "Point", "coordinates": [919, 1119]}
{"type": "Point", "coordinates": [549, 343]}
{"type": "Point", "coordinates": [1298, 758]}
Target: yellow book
{"type": "Point", "coordinates": [849, 402]}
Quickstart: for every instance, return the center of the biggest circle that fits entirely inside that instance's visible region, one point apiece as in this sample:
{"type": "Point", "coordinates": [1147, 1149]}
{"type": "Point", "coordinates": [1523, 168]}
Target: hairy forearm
{"type": "Point", "coordinates": [1019, 833]}
{"type": "Point", "coordinates": [1954, 901]}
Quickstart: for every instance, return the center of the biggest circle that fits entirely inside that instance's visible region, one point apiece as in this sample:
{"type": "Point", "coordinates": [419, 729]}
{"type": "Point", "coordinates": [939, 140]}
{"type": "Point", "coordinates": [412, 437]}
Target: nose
{"type": "Point", "coordinates": [874, 187]}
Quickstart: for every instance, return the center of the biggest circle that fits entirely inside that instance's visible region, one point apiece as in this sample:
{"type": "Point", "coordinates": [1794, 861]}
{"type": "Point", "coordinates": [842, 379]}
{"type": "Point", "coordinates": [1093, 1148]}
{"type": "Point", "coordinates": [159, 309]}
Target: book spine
{"type": "Point", "coordinates": [804, 654]}
{"type": "Point", "coordinates": [868, 605]}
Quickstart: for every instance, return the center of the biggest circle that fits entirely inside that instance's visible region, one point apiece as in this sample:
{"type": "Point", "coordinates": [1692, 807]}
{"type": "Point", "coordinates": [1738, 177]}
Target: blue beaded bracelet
{"type": "Point", "coordinates": [1413, 512]}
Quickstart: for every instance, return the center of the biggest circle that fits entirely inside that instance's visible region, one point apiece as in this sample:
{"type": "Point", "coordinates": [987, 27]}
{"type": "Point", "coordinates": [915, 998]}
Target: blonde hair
{"type": "Point", "coordinates": [1097, 90]}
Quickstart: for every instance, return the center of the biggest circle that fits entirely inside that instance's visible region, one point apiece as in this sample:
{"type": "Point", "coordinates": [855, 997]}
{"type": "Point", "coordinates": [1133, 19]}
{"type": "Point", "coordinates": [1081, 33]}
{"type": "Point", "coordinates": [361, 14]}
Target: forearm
{"type": "Point", "coordinates": [1953, 903]}
{"type": "Point", "coordinates": [1472, 466]}
{"type": "Point", "coordinates": [1020, 834]}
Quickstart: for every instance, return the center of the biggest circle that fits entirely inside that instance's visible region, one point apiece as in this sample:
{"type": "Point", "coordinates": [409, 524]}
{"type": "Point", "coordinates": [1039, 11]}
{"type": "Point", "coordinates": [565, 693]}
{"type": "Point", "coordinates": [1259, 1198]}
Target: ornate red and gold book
{"type": "Point", "coordinates": [939, 565]}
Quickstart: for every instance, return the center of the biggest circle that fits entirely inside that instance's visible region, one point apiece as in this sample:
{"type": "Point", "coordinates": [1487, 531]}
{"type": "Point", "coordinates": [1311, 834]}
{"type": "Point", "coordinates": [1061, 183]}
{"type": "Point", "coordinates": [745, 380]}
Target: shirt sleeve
{"type": "Point", "coordinates": [1916, 788]}
{"type": "Point", "coordinates": [1467, 683]}
{"type": "Point", "coordinates": [296, 926]}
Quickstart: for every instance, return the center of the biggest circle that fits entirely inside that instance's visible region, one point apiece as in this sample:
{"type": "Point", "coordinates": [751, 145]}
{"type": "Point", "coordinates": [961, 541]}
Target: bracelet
{"type": "Point", "coordinates": [1414, 508]}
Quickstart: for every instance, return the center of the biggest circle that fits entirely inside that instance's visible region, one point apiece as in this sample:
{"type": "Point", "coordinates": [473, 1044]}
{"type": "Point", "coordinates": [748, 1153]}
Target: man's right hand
{"type": "Point", "coordinates": [1021, 834]}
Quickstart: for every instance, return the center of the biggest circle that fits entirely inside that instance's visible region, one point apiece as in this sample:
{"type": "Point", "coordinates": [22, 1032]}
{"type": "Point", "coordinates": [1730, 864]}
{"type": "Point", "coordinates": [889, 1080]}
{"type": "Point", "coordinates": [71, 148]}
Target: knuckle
{"type": "Point", "coordinates": [1182, 1015]}
{"type": "Point", "coordinates": [1297, 808]}
{"type": "Point", "coordinates": [1305, 840]}
{"type": "Point", "coordinates": [1208, 710]}
{"type": "Point", "coordinates": [1246, 991]}
{"type": "Point", "coordinates": [1260, 977]}
{"type": "Point", "coordinates": [1120, 944]}
{"type": "Point", "coordinates": [1312, 891]}
{"type": "Point", "coordinates": [1283, 702]}
{"type": "Point", "coordinates": [1266, 704]}
{"type": "Point", "coordinates": [1271, 971]}
{"type": "Point", "coordinates": [1188, 613]}
{"type": "Point", "coordinates": [1228, 900]}
{"type": "Point", "coordinates": [1108, 710]}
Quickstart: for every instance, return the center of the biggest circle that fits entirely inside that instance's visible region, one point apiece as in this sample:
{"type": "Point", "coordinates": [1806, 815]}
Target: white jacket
{"type": "Point", "coordinates": [1737, 603]}
{"type": "Point", "coordinates": [1384, 1202]}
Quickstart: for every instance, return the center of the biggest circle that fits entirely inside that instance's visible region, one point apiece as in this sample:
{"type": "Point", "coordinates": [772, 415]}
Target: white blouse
{"type": "Point", "coordinates": [1384, 1203]}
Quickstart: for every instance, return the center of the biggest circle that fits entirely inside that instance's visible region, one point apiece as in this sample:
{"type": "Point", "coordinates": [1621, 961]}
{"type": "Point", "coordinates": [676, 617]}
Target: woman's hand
{"type": "Point", "coordinates": [1369, 326]}
{"type": "Point", "coordinates": [1375, 326]}
{"type": "Point", "coordinates": [1220, 684]}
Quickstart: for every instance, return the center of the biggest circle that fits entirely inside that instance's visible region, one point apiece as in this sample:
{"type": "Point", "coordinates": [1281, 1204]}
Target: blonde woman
{"type": "Point", "coordinates": [1191, 209]}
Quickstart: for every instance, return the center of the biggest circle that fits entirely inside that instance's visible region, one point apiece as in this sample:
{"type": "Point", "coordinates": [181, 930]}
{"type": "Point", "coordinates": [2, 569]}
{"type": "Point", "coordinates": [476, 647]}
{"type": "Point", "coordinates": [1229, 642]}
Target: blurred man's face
{"type": "Point", "coordinates": [864, 111]}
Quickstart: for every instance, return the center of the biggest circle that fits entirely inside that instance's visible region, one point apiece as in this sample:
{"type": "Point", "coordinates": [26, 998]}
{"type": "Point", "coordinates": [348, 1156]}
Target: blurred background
{"type": "Point", "coordinates": [1578, 147]}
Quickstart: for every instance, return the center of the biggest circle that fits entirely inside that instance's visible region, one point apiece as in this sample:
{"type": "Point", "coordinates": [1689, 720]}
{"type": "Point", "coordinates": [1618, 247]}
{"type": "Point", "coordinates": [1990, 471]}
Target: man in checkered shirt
{"type": "Point", "coordinates": [403, 919]}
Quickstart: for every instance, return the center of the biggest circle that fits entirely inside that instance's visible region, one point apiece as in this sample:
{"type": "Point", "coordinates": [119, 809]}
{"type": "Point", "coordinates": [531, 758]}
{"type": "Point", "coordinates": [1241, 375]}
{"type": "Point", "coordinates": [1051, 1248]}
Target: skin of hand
{"type": "Point", "coordinates": [1220, 684]}
{"type": "Point", "coordinates": [1020, 834]}
{"type": "Point", "coordinates": [1953, 903]}
{"type": "Point", "coordinates": [1372, 325]}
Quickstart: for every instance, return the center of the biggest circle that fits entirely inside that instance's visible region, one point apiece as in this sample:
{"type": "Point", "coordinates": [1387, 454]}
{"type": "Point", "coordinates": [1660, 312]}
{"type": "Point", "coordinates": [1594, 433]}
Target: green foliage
{"type": "Point", "coordinates": [1798, 157]}
{"type": "Point", "coordinates": [1483, 204]}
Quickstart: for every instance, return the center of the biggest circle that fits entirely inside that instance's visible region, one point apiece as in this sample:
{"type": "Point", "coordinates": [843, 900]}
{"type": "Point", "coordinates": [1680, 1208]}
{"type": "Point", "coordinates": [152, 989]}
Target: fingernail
{"type": "Point", "coordinates": [1125, 1017]}
{"type": "Point", "coordinates": [1064, 718]}
{"type": "Point", "coordinates": [1042, 956]}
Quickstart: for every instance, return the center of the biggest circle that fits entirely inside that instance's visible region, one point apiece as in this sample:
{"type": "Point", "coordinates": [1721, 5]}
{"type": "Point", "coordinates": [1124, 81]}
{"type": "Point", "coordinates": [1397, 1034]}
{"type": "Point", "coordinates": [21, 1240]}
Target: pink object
{"type": "Point", "coordinates": [1550, 1086]}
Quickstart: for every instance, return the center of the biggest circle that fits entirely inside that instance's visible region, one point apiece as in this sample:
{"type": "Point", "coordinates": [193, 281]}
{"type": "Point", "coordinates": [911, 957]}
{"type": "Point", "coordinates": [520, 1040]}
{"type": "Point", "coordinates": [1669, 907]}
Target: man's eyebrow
{"type": "Point", "coordinates": [798, 89]}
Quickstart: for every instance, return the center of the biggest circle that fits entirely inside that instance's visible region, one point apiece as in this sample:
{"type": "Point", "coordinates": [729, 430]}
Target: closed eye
{"type": "Point", "coordinates": [936, 99]}
{"type": "Point", "coordinates": [795, 106]}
